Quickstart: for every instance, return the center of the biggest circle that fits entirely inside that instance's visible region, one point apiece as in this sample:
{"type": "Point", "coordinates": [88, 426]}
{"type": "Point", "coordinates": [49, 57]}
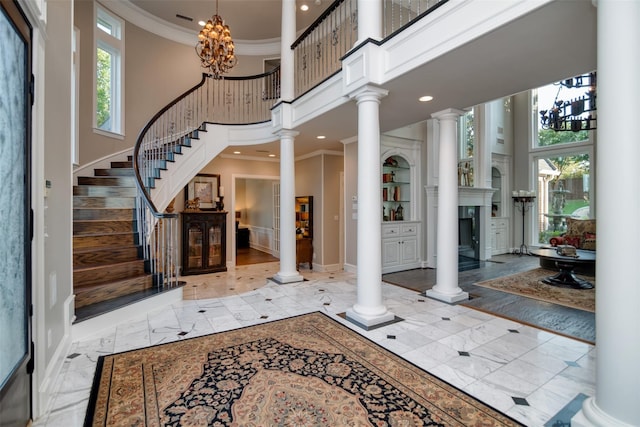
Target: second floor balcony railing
{"type": "Point", "coordinates": [319, 50]}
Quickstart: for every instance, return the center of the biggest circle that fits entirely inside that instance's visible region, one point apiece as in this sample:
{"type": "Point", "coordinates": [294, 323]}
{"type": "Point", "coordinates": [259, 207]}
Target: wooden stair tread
{"type": "Point", "coordinates": [105, 248]}
{"type": "Point", "coordinates": [87, 295]}
{"type": "Point", "coordinates": [113, 264]}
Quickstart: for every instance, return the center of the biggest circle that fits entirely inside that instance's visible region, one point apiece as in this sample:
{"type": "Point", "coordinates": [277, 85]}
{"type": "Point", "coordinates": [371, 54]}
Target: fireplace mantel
{"type": "Point", "coordinates": [467, 196]}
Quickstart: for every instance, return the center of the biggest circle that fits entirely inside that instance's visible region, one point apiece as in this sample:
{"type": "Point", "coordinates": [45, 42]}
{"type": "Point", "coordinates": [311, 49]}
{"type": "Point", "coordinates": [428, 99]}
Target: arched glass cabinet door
{"type": "Point", "coordinates": [496, 199]}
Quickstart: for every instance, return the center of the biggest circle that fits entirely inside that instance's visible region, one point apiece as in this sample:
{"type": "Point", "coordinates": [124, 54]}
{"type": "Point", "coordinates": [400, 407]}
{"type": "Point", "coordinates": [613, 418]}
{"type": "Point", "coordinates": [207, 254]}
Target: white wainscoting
{"type": "Point", "coordinates": [261, 238]}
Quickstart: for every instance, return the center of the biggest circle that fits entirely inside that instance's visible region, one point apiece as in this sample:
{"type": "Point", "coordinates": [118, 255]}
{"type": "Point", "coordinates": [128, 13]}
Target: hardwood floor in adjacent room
{"type": "Point", "coordinates": [246, 256]}
{"type": "Point", "coordinates": [567, 321]}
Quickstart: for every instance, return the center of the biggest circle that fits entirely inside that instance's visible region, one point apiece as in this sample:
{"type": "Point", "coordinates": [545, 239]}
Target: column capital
{"type": "Point", "coordinates": [448, 114]}
{"type": "Point", "coordinates": [368, 93]}
{"type": "Point", "coordinates": [287, 133]}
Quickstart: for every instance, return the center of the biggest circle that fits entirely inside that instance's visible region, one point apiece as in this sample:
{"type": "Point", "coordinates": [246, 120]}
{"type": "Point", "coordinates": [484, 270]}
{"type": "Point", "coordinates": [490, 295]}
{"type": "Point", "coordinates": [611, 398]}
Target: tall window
{"type": "Point", "coordinates": [466, 144]}
{"type": "Point", "coordinates": [562, 161]}
{"type": "Point", "coordinates": [109, 84]}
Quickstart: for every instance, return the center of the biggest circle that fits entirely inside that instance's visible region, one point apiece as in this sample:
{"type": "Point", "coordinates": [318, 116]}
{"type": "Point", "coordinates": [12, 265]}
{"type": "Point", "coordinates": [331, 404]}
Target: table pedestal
{"type": "Point", "coordinates": [566, 279]}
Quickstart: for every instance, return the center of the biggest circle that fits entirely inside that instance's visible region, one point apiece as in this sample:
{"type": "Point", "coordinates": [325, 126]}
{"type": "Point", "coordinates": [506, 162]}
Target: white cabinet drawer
{"type": "Point", "coordinates": [390, 230]}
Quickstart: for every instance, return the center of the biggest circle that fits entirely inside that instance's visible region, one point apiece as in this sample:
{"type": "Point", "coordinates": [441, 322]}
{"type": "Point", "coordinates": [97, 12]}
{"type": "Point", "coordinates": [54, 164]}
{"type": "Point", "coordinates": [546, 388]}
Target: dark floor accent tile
{"type": "Point", "coordinates": [513, 331]}
{"type": "Point", "coordinates": [201, 311]}
{"type": "Point", "coordinates": [268, 299]}
{"type": "Point", "coordinates": [73, 355]}
{"type": "Point", "coordinates": [421, 300]}
{"type": "Point", "coordinates": [464, 353]}
{"type": "Point", "coordinates": [563, 417]}
{"type": "Point", "coordinates": [183, 333]}
{"type": "Point", "coordinates": [520, 401]}
{"type": "Point", "coordinates": [446, 318]}
{"type": "Point", "coordinates": [232, 289]}
{"type": "Point", "coordinates": [571, 363]}
{"type": "Point", "coordinates": [264, 316]}
{"type": "Point", "coordinates": [320, 290]}
{"type": "Point", "coordinates": [391, 337]}
{"type": "Point", "coordinates": [327, 303]}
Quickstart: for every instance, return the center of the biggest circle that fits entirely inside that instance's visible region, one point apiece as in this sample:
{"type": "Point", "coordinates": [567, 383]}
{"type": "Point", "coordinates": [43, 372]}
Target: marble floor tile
{"type": "Point", "coordinates": [503, 359]}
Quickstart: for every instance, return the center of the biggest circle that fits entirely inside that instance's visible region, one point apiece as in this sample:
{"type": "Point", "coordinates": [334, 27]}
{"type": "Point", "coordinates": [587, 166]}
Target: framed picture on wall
{"type": "Point", "coordinates": [206, 187]}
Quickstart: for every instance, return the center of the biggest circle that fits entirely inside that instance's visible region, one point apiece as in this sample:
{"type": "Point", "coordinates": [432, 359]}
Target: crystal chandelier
{"type": "Point", "coordinates": [215, 47]}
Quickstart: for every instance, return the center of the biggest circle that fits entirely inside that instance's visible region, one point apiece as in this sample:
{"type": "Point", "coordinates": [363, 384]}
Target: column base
{"type": "Point", "coordinates": [448, 298]}
{"type": "Point", "coordinates": [282, 278]}
{"type": "Point", "coordinates": [592, 416]}
{"type": "Point", "coordinates": [369, 321]}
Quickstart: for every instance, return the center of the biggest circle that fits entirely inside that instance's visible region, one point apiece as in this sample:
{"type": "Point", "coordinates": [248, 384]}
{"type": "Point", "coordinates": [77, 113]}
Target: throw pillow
{"type": "Point", "coordinates": [572, 240]}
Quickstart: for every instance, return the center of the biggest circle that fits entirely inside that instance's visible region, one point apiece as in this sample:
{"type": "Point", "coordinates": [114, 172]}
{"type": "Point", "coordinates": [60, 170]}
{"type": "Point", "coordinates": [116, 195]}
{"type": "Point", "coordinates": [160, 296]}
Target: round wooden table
{"type": "Point", "coordinates": [566, 278]}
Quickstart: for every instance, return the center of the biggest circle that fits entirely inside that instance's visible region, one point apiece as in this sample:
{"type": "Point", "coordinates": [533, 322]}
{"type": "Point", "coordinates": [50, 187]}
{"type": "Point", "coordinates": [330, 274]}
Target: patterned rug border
{"type": "Point", "coordinates": [538, 274]}
{"type": "Point", "coordinates": [473, 401]}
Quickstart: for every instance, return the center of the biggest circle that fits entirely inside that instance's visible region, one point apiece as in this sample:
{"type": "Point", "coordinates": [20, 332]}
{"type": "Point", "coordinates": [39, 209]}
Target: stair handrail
{"type": "Point", "coordinates": [229, 100]}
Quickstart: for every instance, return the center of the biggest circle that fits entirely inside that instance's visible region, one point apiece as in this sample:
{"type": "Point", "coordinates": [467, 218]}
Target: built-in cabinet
{"type": "Point", "coordinates": [401, 237]}
{"type": "Point", "coordinates": [304, 230]}
{"type": "Point", "coordinates": [400, 246]}
{"type": "Point", "coordinates": [499, 236]}
{"type": "Point", "coordinates": [204, 242]}
{"type": "Point", "coordinates": [500, 206]}
{"type": "Point", "coordinates": [396, 189]}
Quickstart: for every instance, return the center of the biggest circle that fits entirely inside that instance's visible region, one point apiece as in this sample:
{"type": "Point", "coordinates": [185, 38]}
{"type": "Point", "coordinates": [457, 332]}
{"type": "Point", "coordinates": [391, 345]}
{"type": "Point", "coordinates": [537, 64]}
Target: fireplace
{"type": "Point", "coordinates": [469, 231]}
{"type": "Point", "coordinates": [474, 223]}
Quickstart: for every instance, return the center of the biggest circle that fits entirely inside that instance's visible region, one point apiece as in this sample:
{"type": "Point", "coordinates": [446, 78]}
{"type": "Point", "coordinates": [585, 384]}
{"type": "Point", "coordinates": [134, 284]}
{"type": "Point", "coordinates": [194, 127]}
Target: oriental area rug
{"type": "Point", "coordinates": [529, 284]}
{"type": "Point", "coordinates": [307, 370]}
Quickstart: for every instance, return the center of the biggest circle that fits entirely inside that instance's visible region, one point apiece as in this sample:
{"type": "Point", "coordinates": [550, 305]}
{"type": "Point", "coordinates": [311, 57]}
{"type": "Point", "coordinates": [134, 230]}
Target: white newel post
{"type": "Point", "coordinates": [446, 288]}
{"type": "Point", "coordinates": [288, 272]}
{"type": "Point", "coordinates": [617, 396]}
{"type": "Point", "coordinates": [369, 310]}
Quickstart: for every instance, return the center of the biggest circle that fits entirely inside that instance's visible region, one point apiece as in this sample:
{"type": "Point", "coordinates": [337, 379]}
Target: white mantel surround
{"type": "Point", "coordinates": [467, 196]}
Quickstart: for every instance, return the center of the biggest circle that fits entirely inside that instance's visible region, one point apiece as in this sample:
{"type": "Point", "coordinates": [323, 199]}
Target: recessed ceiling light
{"type": "Point", "coordinates": [201, 23]}
{"type": "Point", "coordinates": [304, 8]}
{"type": "Point", "coordinates": [236, 152]}
{"type": "Point", "coordinates": [272, 155]}
{"type": "Point", "coordinates": [425, 98]}
{"type": "Point", "coordinates": [320, 137]}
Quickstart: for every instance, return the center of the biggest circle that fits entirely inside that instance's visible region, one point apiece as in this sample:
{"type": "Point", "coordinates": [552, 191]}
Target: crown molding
{"type": "Point", "coordinates": [149, 22]}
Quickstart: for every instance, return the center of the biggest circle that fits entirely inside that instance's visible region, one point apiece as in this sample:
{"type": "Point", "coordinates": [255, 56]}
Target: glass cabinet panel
{"type": "Point", "coordinates": [215, 249]}
{"type": "Point", "coordinates": [195, 246]}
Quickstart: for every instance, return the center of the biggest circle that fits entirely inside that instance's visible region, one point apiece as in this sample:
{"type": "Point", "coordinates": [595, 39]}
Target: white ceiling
{"type": "Point", "coordinates": [248, 19]}
{"type": "Point", "coordinates": [554, 42]}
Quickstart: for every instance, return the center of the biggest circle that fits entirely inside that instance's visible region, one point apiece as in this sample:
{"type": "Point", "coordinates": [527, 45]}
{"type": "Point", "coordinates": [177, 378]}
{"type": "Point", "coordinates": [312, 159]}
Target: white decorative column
{"type": "Point", "coordinates": [446, 288]}
{"type": "Point", "coordinates": [369, 20]}
{"type": "Point", "coordinates": [369, 310]}
{"type": "Point", "coordinates": [288, 272]}
{"type": "Point", "coordinates": [287, 58]}
{"type": "Point", "coordinates": [617, 397]}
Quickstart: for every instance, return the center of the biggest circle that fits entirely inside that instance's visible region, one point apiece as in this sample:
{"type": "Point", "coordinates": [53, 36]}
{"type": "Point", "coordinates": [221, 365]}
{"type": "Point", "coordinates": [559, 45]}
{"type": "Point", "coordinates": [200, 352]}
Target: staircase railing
{"type": "Point", "coordinates": [232, 100]}
{"type": "Point", "coordinates": [318, 54]}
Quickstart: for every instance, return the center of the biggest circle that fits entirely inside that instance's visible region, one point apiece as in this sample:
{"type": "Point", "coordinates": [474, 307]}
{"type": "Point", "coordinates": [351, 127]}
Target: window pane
{"type": "Point", "coordinates": [467, 135]}
{"type": "Point", "coordinates": [568, 98]}
{"type": "Point", "coordinates": [563, 191]}
{"type": "Point", "coordinates": [103, 89]}
{"type": "Point", "coordinates": [105, 26]}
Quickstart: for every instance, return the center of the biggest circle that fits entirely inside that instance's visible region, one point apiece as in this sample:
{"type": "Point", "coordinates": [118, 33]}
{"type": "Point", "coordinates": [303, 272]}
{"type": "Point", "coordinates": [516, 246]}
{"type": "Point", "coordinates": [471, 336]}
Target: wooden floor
{"type": "Point", "coordinates": [246, 256]}
{"type": "Point", "coordinates": [566, 321]}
